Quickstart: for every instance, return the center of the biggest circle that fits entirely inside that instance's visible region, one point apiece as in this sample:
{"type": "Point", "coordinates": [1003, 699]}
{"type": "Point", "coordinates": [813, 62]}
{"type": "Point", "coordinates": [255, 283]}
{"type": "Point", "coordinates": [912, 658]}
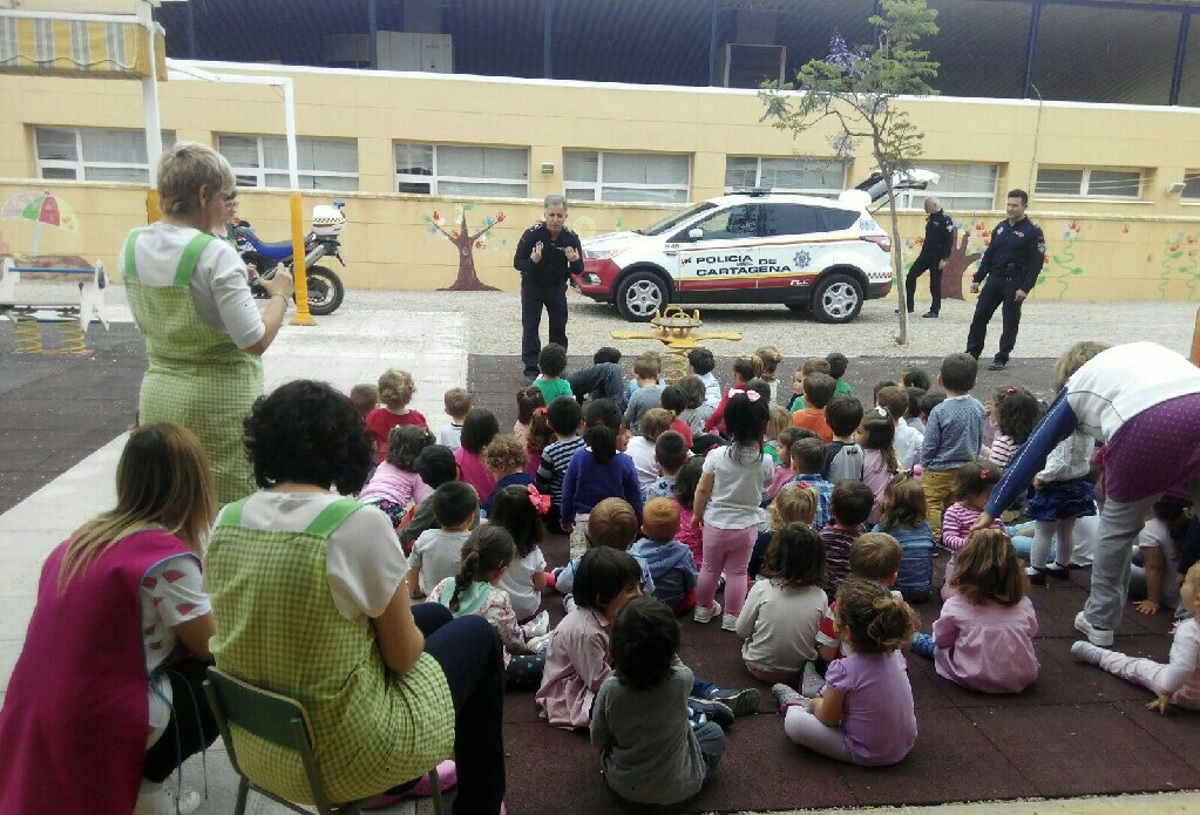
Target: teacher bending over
{"type": "Point", "coordinates": [190, 295]}
{"type": "Point", "coordinates": [1143, 402]}
{"type": "Point", "coordinates": [309, 599]}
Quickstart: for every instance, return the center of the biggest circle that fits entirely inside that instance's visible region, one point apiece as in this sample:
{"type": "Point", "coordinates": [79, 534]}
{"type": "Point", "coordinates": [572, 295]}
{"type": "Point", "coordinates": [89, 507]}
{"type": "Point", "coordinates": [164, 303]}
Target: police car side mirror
{"type": "Point", "coordinates": [696, 233]}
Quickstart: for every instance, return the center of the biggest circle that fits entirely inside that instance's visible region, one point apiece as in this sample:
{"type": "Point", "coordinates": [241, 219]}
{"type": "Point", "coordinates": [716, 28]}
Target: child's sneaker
{"type": "Point", "coordinates": [742, 701]}
{"type": "Point", "coordinates": [787, 696]}
{"type": "Point", "coordinates": [812, 682]}
{"type": "Point", "coordinates": [728, 622]}
{"type": "Point", "coordinates": [1084, 651]}
{"type": "Point", "coordinates": [539, 645]}
{"type": "Point", "coordinates": [712, 710]}
{"type": "Point", "coordinates": [167, 801]}
{"type": "Point", "coordinates": [705, 615]}
{"type": "Point", "coordinates": [538, 626]}
{"type": "Point", "coordinates": [1058, 572]}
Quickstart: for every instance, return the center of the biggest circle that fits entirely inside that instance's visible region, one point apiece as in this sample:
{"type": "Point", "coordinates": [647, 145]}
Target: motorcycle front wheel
{"type": "Point", "coordinates": [325, 290]}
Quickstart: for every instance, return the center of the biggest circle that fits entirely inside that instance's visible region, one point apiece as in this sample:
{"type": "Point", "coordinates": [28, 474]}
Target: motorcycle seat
{"type": "Point", "coordinates": [275, 251]}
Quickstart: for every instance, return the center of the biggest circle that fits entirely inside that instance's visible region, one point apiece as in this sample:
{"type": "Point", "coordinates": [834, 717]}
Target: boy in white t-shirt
{"type": "Point", "coordinates": [437, 554]}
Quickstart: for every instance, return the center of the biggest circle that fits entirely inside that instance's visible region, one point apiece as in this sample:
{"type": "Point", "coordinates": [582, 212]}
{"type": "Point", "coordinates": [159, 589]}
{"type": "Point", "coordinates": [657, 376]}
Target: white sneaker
{"type": "Point", "coordinates": [1084, 651]}
{"type": "Point", "coordinates": [728, 622]}
{"type": "Point", "coordinates": [539, 645]}
{"type": "Point", "coordinates": [1096, 636]}
{"type": "Point", "coordinates": [163, 802]}
{"type": "Point", "coordinates": [538, 626]}
{"type": "Point", "coordinates": [705, 615]}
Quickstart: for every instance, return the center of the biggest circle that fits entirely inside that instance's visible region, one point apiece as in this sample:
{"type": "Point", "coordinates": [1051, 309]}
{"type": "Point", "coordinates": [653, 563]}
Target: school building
{"type": "Point", "coordinates": [631, 108]}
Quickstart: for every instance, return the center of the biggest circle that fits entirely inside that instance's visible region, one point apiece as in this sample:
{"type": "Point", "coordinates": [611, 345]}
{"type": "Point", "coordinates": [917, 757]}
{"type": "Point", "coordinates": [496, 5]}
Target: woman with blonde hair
{"type": "Point", "coordinates": [190, 296]}
{"type": "Point", "coordinates": [105, 701]}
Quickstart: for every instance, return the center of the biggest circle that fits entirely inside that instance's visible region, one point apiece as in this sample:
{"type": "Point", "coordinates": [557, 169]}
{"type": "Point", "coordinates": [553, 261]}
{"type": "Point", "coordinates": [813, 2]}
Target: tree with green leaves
{"type": "Point", "coordinates": [858, 89]}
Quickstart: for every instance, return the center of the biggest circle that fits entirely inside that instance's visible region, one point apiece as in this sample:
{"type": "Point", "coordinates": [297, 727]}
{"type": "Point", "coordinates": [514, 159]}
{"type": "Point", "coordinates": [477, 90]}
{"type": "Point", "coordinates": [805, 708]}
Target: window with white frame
{"type": "Point", "coordinates": [591, 175]}
{"type": "Point", "coordinates": [1191, 187]}
{"type": "Point", "coordinates": [453, 169]}
{"type": "Point", "coordinates": [262, 161]}
{"type": "Point", "coordinates": [1084, 182]}
{"type": "Point", "coordinates": [807, 176]}
{"type": "Point", "coordinates": [94, 154]}
{"type": "Point", "coordinates": [959, 187]}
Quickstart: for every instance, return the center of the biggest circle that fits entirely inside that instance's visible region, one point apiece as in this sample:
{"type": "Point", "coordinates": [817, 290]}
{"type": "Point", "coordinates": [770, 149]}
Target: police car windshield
{"type": "Point", "coordinates": [671, 221]}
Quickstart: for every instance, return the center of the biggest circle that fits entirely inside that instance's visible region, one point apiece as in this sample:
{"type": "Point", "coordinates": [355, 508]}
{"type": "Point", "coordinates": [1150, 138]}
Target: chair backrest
{"type": "Point", "coordinates": [265, 714]}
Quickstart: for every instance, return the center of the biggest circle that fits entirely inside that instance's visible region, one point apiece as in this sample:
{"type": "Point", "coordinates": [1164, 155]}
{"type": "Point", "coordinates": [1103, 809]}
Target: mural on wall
{"type": "Point", "coordinates": [969, 243]}
{"type": "Point", "coordinates": [41, 208]}
{"type": "Point", "coordinates": [466, 243]}
{"type": "Point", "coordinates": [1181, 257]}
{"type": "Point", "coordinates": [1060, 269]}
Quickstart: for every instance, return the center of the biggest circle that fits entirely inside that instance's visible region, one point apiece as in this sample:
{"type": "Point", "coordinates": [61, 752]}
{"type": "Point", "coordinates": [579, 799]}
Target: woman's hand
{"type": "Point", "coordinates": [280, 284]}
{"type": "Point", "coordinates": [985, 520]}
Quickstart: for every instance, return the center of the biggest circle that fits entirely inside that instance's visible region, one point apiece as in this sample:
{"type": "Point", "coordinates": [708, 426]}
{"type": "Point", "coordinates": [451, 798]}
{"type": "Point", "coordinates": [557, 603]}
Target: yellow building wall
{"type": "Point", "coordinates": [1143, 249]}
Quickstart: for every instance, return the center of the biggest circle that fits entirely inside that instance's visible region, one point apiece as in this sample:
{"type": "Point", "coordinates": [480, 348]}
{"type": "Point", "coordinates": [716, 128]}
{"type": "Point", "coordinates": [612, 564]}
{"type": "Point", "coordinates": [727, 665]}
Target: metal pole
{"type": "Point", "coordinates": [547, 30]}
{"type": "Point", "coordinates": [299, 272]}
{"type": "Point", "coordinates": [1031, 46]}
{"type": "Point", "coordinates": [1180, 57]}
{"type": "Point", "coordinates": [289, 124]}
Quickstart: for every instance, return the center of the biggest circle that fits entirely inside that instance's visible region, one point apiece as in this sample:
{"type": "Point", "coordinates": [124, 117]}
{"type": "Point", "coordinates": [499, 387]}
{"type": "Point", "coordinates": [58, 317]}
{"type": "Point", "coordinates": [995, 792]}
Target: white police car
{"type": "Point", "coordinates": [748, 247]}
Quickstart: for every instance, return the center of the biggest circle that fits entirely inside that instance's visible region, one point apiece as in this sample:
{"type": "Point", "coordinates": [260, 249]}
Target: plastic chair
{"type": "Point", "coordinates": [280, 720]}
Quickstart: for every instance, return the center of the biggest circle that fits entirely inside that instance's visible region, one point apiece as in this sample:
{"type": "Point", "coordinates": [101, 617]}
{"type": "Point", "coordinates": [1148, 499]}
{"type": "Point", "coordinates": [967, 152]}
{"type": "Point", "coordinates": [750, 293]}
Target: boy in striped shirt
{"type": "Point", "coordinates": [564, 415]}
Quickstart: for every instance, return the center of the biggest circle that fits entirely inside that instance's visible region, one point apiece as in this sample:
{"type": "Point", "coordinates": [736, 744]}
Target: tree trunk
{"type": "Point", "coordinates": [467, 279]}
{"type": "Point", "coordinates": [897, 264]}
{"type": "Point", "coordinates": [956, 267]}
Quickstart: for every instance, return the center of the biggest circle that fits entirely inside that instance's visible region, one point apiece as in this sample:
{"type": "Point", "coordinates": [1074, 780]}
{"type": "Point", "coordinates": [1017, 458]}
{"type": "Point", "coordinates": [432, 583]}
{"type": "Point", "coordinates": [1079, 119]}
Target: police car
{"type": "Point", "coordinates": [806, 253]}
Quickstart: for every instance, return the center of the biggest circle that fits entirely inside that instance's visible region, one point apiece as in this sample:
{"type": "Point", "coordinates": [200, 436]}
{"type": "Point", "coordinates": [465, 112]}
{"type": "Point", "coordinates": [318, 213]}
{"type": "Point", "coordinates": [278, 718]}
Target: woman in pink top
{"type": "Point", "coordinates": [479, 428]}
{"type": "Point", "coordinates": [866, 713]}
{"type": "Point", "coordinates": [984, 638]}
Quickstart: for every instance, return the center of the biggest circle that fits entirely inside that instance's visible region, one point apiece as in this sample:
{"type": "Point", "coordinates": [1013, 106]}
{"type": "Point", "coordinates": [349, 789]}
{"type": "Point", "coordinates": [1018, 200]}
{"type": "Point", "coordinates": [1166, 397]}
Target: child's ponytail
{"type": "Point", "coordinates": [602, 422]}
{"type": "Point", "coordinates": [487, 549]}
{"type": "Point", "coordinates": [540, 432]}
{"type": "Point", "coordinates": [881, 435]}
{"type": "Point", "coordinates": [877, 621]}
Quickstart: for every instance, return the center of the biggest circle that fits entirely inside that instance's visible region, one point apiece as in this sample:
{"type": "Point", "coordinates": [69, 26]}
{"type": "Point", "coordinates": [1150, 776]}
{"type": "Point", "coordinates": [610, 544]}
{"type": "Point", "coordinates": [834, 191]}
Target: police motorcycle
{"type": "Point", "coordinates": [325, 289]}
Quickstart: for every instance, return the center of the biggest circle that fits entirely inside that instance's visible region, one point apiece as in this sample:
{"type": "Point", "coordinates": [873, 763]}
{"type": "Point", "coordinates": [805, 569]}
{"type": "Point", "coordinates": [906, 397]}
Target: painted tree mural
{"type": "Point", "coordinates": [466, 243]}
{"type": "Point", "coordinates": [957, 265]}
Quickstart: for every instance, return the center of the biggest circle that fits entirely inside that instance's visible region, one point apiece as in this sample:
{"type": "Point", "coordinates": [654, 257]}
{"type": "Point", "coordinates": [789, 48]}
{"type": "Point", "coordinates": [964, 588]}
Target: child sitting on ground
{"type": "Point", "coordinates": [837, 369]}
{"type": "Point", "coordinates": [875, 436]}
{"type": "Point", "coordinates": [1155, 582]}
{"type": "Point", "coordinates": [529, 399]}
{"type": "Point", "coordinates": [983, 639]}
{"type": "Point", "coordinates": [564, 416]}
{"type": "Point", "coordinates": [648, 394]}
{"type": "Point", "coordinates": [1178, 681]}
{"type": "Point", "coordinates": [1016, 412]}
{"type": "Point", "coordinates": [744, 370]}
{"type": "Point", "coordinates": [518, 509]}
{"type": "Point", "coordinates": [651, 754]}
{"type": "Point", "coordinates": [812, 365]}
{"type": "Point", "coordinates": [973, 486]}
{"type": "Point", "coordinates": [783, 471]}
{"type": "Point", "coordinates": [540, 435]}
{"type": "Point", "coordinates": [655, 422]}
{"type": "Point", "coordinates": [436, 466]}
{"type": "Point", "coordinates": [685, 495]}
{"type": "Point", "coordinates": [613, 524]}
{"type": "Point", "coordinates": [552, 361]}
{"type": "Point", "coordinates": [818, 391]}
{"type": "Point", "coordinates": [913, 417]}
{"type": "Point", "coordinates": [728, 499]}
{"type": "Point", "coordinates": [396, 389]}
{"type": "Point", "coordinates": [598, 471]}
{"type": "Point", "coordinates": [437, 553]}
{"type": "Point", "coordinates": [670, 453]}
{"type": "Point", "coordinates": [866, 714]}
{"type": "Point", "coordinates": [778, 420]}
{"type": "Point", "coordinates": [796, 503]}
{"type": "Point", "coordinates": [395, 486]}
{"type": "Point", "coordinates": [953, 435]}
{"type": "Point", "coordinates": [907, 441]}
{"type": "Point", "coordinates": [672, 568]}
{"type": "Point", "coordinates": [808, 457]}
{"type": "Point", "coordinates": [479, 428]}
{"type": "Point", "coordinates": [674, 400]}
{"type": "Point", "coordinates": [784, 609]}
{"type": "Point", "coordinates": [485, 559]}
{"type": "Point", "coordinates": [696, 411]}
{"type": "Point", "coordinates": [916, 378]}
{"type": "Point", "coordinates": [873, 556]}
{"type": "Point", "coordinates": [701, 364]}
{"type": "Point", "coordinates": [770, 357]}
{"type": "Point", "coordinates": [902, 515]}
{"type": "Point", "coordinates": [843, 455]}
{"type": "Point", "coordinates": [458, 404]}
{"type": "Point", "coordinates": [505, 459]}
{"type": "Point", "coordinates": [365, 398]}
{"type": "Point", "coordinates": [848, 509]}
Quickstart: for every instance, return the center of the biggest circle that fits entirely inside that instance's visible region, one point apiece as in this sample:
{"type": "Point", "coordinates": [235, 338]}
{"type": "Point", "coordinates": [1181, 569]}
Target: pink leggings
{"type": "Point", "coordinates": [1140, 671]}
{"type": "Point", "coordinates": [726, 550]}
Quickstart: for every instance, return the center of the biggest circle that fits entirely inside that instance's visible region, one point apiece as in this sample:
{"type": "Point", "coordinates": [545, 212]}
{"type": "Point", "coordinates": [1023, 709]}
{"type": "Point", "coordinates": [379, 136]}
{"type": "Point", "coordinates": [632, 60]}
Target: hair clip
{"type": "Point", "coordinates": [881, 411]}
{"type": "Point", "coordinates": [1010, 391]}
{"type": "Point", "coordinates": [753, 396]}
{"type": "Point", "coordinates": [983, 474]}
{"type": "Point", "coordinates": [804, 485]}
{"type": "Point", "coordinates": [598, 423]}
{"type": "Point", "coordinates": [541, 409]}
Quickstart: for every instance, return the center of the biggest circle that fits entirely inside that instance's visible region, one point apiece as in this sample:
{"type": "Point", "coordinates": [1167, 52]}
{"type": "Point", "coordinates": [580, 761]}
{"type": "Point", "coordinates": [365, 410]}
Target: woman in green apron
{"type": "Point", "coordinates": [190, 295]}
{"type": "Point", "coordinates": [309, 601]}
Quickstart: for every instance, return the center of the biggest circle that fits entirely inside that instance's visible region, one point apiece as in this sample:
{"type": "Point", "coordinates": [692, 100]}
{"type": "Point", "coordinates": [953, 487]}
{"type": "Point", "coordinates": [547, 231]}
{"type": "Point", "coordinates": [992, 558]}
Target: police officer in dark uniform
{"type": "Point", "coordinates": [939, 241]}
{"type": "Point", "coordinates": [1011, 266]}
{"type": "Point", "coordinates": [547, 254]}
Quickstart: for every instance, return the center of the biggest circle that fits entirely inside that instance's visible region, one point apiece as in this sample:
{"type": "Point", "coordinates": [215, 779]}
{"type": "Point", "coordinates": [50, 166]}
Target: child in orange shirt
{"type": "Point", "coordinates": [818, 391]}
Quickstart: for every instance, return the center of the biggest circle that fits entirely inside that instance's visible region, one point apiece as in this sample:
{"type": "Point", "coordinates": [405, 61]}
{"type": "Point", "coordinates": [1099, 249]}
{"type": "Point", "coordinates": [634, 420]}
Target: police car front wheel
{"type": "Point", "coordinates": [640, 295]}
{"type": "Point", "coordinates": [837, 299]}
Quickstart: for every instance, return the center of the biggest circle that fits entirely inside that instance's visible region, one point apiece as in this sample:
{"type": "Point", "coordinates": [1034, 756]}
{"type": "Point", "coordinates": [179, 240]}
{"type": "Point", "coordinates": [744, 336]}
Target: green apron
{"type": "Point", "coordinates": [197, 377]}
{"type": "Point", "coordinates": [278, 628]}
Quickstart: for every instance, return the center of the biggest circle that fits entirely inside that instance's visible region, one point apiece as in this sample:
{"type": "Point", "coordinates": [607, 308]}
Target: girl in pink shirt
{"type": "Point", "coordinates": [479, 428]}
{"type": "Point", "coordinates": [395, 485]}
{"type": "Point", "coordinates": [974, 485]}
{"type": "Point", "coordinates": [984, 638]}
{"type": "Point", "coordinates": [685, 494]}
{"type": "Point", "coordinates": [875, 436]}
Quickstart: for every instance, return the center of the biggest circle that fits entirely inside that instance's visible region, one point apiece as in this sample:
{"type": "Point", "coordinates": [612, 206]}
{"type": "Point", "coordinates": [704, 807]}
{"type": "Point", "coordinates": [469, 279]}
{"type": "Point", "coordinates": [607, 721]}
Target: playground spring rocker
{"type": "Point", "coordinates": [678, 332]}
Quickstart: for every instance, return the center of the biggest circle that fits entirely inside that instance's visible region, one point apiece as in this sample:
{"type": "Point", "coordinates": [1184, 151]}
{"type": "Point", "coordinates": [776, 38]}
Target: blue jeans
{"type": "Point", "coordinates": [469, 651]}
{"type": "Point", "coordinates": [602, 381]}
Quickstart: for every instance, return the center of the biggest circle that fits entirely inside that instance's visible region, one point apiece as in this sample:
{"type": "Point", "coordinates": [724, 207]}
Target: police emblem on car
{"type": "Point", "coordinates": [802, 258]}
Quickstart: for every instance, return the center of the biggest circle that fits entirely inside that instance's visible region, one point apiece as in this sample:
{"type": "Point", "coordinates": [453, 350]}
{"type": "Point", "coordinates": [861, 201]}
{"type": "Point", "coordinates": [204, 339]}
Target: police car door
{"type": "Point", "coordinates": [716, 253]}
{"type": "Point", "coordinates": [790, 250]}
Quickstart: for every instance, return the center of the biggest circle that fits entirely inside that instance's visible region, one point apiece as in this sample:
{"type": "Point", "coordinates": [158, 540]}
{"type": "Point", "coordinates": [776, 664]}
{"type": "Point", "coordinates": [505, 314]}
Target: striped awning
{"type": "Point", "coordinates": [111, 50]}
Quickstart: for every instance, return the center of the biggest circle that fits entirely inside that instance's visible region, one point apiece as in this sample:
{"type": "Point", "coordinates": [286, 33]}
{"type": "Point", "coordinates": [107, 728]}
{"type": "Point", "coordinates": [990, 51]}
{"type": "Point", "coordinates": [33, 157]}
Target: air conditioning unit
{"type": "Point", "coordinates": [748, 66]}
